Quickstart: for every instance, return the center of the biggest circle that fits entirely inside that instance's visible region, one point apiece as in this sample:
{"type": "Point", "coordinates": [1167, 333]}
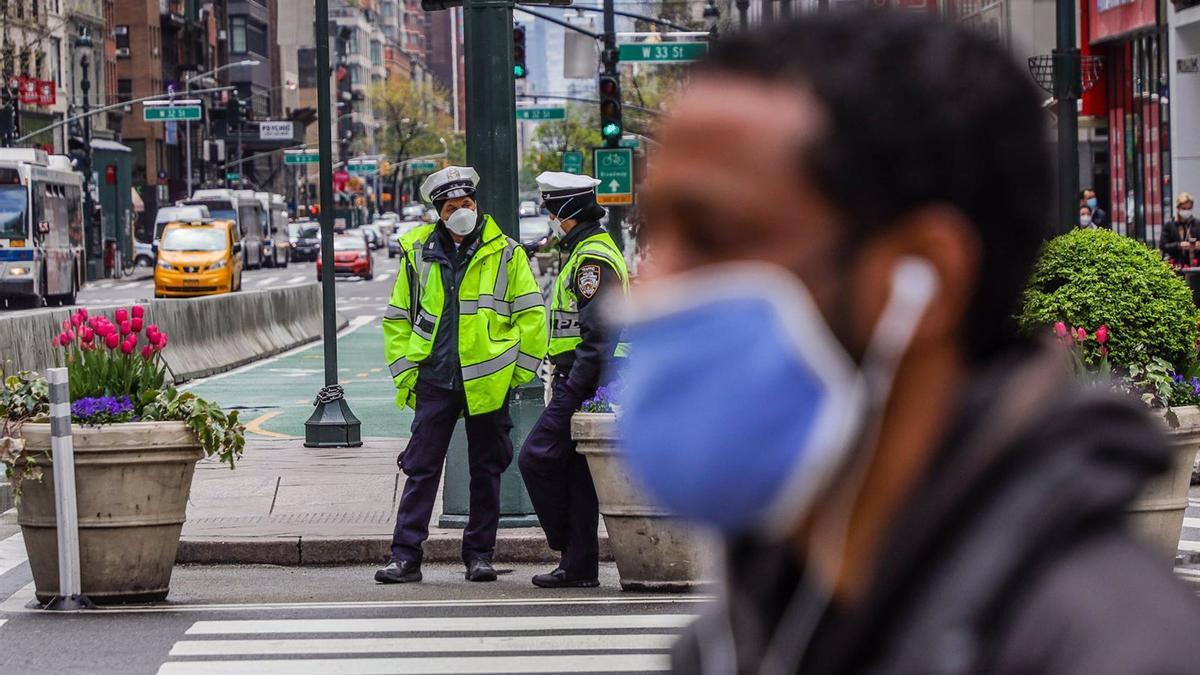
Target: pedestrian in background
{"type": "Point", "coordinates": [1099, 216]}
{"type": "Point", "coordinates": [465, 325]}
{"type": "Point", "coordinates": [1180, 234]}
{"type": "Point", "coordinates": [582, 347]}
{"type": "Point", "coordinates": [1085, 218]}
{"type": "Point", "coordinates": [832, 378]}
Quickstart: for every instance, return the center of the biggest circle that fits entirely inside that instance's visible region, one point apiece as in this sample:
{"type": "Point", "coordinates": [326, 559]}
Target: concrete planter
{"type": "Point", "coordinates": [653, 551]}
{"type": "Point", "coordinates": [1157, 515]}
{"type": "Point", "coordinates": [132, 484]}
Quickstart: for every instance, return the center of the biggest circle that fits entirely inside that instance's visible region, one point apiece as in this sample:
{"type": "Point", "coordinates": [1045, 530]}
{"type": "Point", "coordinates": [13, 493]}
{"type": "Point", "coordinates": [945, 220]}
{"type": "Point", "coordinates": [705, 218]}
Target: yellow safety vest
{"type": "Point", "coordinates": [564, 306]}
{"type": "Point", "coordinates": [501, 325]}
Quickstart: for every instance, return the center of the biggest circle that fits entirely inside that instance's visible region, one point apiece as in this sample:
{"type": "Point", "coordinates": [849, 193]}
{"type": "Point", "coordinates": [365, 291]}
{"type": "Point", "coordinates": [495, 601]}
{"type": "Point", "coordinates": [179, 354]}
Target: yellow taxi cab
{"type": "Point", "coordinates": [198, 258]}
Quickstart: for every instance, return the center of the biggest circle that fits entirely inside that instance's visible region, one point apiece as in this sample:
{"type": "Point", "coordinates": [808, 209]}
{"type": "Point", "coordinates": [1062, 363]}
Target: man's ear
{"type": "Point", "coordinates": [945, 238]}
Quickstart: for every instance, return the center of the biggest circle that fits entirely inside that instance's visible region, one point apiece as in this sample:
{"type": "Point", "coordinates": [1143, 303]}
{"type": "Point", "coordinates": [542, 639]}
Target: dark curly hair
{"type": "Point", "coordinates": [920, 112]}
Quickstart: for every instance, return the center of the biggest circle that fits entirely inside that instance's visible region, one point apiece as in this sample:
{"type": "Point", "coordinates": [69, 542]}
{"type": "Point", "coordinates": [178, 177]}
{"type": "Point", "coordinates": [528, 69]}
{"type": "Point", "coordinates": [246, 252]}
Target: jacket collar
{"type": "Point", "coordinates": [581, 231]}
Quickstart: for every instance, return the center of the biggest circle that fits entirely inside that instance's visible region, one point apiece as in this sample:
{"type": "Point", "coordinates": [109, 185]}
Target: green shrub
{"type": "Point", "coordinates": [1089, 278]}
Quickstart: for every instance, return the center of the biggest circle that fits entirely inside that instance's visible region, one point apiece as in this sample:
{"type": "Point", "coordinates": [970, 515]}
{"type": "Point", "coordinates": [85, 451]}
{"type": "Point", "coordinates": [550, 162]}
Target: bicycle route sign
{"type": "Point", "coordinates": [614, 169]}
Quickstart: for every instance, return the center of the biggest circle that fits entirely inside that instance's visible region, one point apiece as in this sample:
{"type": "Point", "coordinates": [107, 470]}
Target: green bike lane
{"type": "Point", "coordinates": [274, 397]}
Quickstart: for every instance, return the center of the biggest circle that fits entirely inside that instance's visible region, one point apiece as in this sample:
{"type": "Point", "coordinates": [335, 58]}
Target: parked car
{"type": "Point", "coordinates": [412, 212]}
{"type": "Point", "coordinates": [527, 209]}
{"type": "Point", "coordinates": [143, 254]}
{"type": "Point", "coordinates": [307, 245]}
{"type": "Point", "coordinates": [198, 258]}
{"type": "Point", "coordinates": [373, 236]}
{"type": "Point", "coordinates": [393, 245]}
{"type": "Point", "coordinates": [351, 257]}
{"type": "Point", "coordinates": [534, 232]}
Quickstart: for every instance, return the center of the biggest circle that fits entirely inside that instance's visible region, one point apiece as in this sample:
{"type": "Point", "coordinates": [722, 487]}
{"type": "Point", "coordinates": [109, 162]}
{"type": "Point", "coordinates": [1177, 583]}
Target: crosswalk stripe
{"type": "Point", "coordinates": [432, 645]}
{"type": "Point", "coordinates": [295, 279]}
{"type": "Point", "coordinates": [383, 277]}
{"type": "Point", "coordinates": [12, 552]}
{"type": "Point", "coordinates": [439, 624]}
{"type": "Point", "coordinates": [1191, 522]}
{"type": "Point", "coordinates": [1189, 546]}
{"type": "Point", "coordinates": [266, 281]}
{"type": "Point", "coordinates": [595, 663]}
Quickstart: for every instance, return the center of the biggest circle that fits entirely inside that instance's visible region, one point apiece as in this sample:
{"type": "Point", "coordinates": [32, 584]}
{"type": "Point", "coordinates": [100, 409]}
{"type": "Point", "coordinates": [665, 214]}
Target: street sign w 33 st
{"type": "Point", "coordinates": [663, 52]}
{"type": "Point", "coordinates": [614, 169]}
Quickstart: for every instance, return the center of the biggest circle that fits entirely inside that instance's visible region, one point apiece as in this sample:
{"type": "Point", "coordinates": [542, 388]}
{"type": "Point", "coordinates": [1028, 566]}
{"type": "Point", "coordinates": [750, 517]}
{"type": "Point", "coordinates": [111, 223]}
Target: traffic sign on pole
{"type": "Point", "coordinates": [572, 161]}
{"type": "Point", "coordinates": [187, 110]}
{"type": "Point", "coordinates": [362, 167]}
{"type": "Point", "coordinates": [542, 113]}
{"type": "Point", "coordinates": [233, 175]}
{"type": "Point", "coordinates": [423, 166]}
{"type": "Point", "coordinates": [301, 157]}
{"type": "Point", "coordinates": [663, 52]}
{"type": "Point", "coordinates": [631, 142]}
{"type": "Point", "coordinates": [614, 170]}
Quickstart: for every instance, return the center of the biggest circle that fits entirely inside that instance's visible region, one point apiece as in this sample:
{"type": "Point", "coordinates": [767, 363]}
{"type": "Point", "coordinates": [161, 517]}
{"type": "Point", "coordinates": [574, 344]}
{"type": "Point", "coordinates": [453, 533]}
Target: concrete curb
{"type": "Point", "coordinates": [525, 546]}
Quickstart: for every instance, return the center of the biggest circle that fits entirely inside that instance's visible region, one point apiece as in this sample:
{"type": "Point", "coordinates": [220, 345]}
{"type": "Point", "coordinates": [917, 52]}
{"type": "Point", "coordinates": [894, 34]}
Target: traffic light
{"type": "Point", "coordinates": [519, 52]}
{"type": "Point", "coordinates": [611, 126]}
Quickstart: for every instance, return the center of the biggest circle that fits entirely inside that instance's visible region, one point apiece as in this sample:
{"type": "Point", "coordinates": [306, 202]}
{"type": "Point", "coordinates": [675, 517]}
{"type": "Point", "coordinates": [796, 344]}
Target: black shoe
{"type": "Point", "coordinates": [481, 570]}
{"type": "Point", "coordinates": [559, 579]}
{"type": "Point", "coordinates": [399, 572]}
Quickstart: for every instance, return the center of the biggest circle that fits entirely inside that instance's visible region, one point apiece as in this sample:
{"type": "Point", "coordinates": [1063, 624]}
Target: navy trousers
{"type": "Point", "coordinates": [489, 452]}
{"type": "Point", "coordinates": [560, 487]}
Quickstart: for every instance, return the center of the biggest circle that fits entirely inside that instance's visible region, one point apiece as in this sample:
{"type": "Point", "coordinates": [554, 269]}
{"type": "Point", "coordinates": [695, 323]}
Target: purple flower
{"type": "Point", "coordinates": [102, 410]}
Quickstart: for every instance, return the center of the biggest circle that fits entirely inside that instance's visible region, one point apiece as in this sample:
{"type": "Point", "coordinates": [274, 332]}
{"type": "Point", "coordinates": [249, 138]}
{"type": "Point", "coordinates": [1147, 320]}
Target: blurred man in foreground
{"type": "Point", "coordinates": [825, 369]}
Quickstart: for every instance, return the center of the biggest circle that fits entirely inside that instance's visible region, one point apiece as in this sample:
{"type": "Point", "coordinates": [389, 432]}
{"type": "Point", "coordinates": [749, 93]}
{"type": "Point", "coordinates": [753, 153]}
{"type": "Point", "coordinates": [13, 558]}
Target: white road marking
{"type": "Point", "coordinates": [555, 642]}
{"type": "Point", "coordinates": [439, 624]}
{"type": "Point", "coordinates": [298, 279]}
{"type": "Point", "coordinates": [1191, 522]}
{"type": "Point", "coordinates": [467, 664]}
{"type": "Point", "coordinates": [17, 601]}
{"type": "Point", "coordinates": [12, 552]}
{"type": "Point", "coordinates": [383, 277]}
{"type": "Point", "coordinates": [1189, 546]}
{"type": "Point", "coordinates": [266, 281]}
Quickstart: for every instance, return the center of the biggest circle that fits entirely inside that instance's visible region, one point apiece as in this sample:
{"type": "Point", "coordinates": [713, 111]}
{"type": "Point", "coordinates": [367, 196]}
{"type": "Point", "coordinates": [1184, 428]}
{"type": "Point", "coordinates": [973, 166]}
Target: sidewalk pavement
{"type": "Point", "coordinates": [290, 505]}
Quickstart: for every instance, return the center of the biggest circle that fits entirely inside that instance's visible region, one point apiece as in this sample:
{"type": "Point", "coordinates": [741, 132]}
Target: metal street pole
{"type": "Point", "coordinates": [1067, 89]}
{"type": "Point", "coordinates": [615, 213]}
{"type": "Point", "coordinates": [492, 108]}
{"type": "Point", "coordinates": [332, 424]}
{"type": "Point", "coordinates": [83, 45]}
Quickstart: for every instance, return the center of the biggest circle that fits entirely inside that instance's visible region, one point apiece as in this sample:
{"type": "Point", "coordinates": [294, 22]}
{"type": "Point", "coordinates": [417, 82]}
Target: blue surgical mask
{"type": "Point", "coordinates": [739, 405]}
{"type": "Point", "coordinates": [1091, 202]}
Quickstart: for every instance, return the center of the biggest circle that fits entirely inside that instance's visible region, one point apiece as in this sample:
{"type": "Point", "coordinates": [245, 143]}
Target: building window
{"type": "Point", "coordinates": [124, 90]}
{"type": "Point", "coordinates": [56, 61]}
{"type": "Point", "coordinates": [237, 34]}
{"type": "Point", "coordinates": [376, 53]}
{"type": "Point", "coordinates": [307, 61]}
{"type": "Point", "coordinates": [121, 35]}
{"type": "Point", "coordinates": [256, 38]}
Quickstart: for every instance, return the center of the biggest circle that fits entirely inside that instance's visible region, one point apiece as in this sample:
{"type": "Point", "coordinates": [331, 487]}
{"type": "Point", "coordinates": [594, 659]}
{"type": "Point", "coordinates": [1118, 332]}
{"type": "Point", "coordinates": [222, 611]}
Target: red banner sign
{"type": "Point", "coordinates": [47, 91]}
{"type": "Point", "coordinates": [1114, 18]}
{"type": "Point", "coordinates": [29, 92]}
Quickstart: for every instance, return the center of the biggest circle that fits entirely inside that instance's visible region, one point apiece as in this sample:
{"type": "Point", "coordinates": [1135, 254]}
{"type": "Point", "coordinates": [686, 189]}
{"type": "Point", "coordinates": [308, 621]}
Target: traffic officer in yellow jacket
{"type": "Point", "coordinates": [466, 323]}
{"type": "Point", "coordinates": [582, 348]}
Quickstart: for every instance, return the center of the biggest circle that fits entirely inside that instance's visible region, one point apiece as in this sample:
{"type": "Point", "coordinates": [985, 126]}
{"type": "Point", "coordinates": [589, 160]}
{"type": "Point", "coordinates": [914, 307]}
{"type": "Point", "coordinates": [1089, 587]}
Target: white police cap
{"type": "Point", "coordinates": [451, 182]}
{"type": "Point", "coordinates": [559, 184]}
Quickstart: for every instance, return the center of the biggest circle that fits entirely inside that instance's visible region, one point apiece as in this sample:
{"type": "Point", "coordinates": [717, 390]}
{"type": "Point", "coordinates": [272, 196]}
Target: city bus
{"type": "Point", "coordinates": [241, 207]}
{"type": "Point", "coordinates": [41, 228]}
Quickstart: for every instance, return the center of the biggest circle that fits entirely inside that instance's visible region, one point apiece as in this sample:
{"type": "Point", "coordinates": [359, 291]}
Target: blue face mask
{"type": "Point", "coordinates": [1091, 202]}
{"type": "Point", "coordinates": [739, 405]}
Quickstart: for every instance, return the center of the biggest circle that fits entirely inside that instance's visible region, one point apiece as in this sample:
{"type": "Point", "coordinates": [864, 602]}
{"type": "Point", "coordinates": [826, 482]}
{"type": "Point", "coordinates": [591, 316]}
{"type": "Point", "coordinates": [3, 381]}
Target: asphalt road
{"type": "Point", "coordinates": [356, 297]}
{"type": "Point", "coordinates": [237, 619]}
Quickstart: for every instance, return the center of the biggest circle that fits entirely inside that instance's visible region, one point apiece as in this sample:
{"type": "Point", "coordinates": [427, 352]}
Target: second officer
{"type": "Point", "coordinates": [582, 347]}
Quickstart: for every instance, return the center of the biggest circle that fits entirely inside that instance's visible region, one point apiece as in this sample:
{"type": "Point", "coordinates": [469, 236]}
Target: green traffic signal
{"type": "Point", "coordinates": [519, 71]}
{"type": "Point", "coordinates": [610, 130]}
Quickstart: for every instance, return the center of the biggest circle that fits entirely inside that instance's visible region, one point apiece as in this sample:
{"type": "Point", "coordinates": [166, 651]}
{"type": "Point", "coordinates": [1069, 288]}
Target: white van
{"type": "Point", "coordinates": [274, 229]}
{"type": "Point", "coordinates": [241, 207]}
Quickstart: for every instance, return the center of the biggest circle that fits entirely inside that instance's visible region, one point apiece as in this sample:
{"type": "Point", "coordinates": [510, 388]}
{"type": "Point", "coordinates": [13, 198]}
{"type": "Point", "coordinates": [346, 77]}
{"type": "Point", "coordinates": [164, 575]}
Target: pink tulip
{"type": "Point", "coordinates": [122, 315]}
{"type": "Point", "coordinates": [83, 312]}
{"type": "Point", "coordinates": [111, 341]}
{"type": "Point", "coordinates": [1060, 329]}
{"type": "Point", "coordinates": [148, 352]}
{"type": "Point", "coordinates": [1103, 351]}
{"type": "Point", "coordinates": [1102, 334]}
{"type": "Point", "coordinates": [139, 312]}
{"type": "Point", "coordinates": [152, 330]}
{"type": "Point", "coordinates": [1080, 334]}
{"type": "Point", "coordinates": [126, 327]}
{"type": "Point", "coordinates": [86, 334]}
{"type": "Point", "coordinates": [66, 324]}
{"type": "Point", "coordinates": [70, 335]}
{"type": "Point", "coordinates": [162, 341]}
{"type": "Point", "coordinates": [127, 348]}
{"type": "Point", "coordinates": [76, 320]}
{"type": "Point", "coordinates": [136, 324]}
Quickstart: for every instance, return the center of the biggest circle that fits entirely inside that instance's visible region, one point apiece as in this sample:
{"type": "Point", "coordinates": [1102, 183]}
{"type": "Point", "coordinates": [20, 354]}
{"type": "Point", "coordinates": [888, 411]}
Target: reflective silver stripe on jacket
{"type": "Point", "coordinates": [530, 363]}
{"type": "Point", "coordinates": [395, 313]}
{"type": "Point", "coordinates": [492, 365]}
{"type": "Point", "coordinates": [399, 366]}
{"type": "Point", "coordinates": [417, 328]}
{"type": "Point", "coordinates": [501, 307]}
{"type": "Point", "coordinates": [501, 288]}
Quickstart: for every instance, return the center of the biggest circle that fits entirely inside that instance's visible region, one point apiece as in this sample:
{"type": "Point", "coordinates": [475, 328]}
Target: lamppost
{"type": "Point", "coordinates": [84, 47]}
{"type": "Point", "coordinates": [187, 126]}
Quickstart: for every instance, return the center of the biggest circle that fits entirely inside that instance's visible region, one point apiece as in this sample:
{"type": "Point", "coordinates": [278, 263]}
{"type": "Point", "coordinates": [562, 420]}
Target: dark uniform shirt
{"type": "Point", "coordinates": [593, 280]}
{"type": "Point", "coordinates": [442, 367]}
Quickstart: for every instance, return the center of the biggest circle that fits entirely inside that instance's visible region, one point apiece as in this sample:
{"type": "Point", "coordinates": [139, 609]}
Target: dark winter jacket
{"type": "Point", "coordinates": [1011, 557]}
{"type": "Point", "coordinates": [1175, 232]}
